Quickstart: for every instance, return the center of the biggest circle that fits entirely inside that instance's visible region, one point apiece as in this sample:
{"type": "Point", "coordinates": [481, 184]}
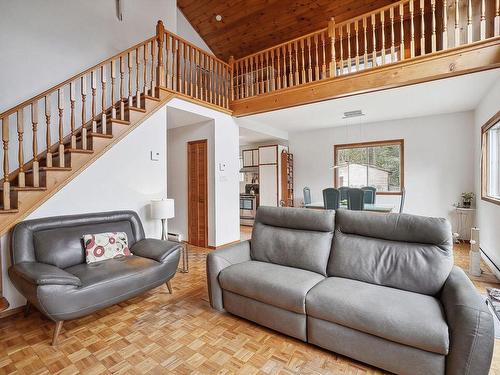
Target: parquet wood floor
{"type": "Point", "coordinates": [159, 333]}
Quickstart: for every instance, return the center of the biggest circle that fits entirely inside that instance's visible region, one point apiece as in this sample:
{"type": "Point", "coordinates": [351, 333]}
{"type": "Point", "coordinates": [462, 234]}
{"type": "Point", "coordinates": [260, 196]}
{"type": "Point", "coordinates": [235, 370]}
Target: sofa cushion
{"type": "Point", "coordinates": [276, 285]}
{"type": "Point", "coordinates": [408, 252]}
{"type": "Point", "coordinates": [407, 318]}
{"type": "Point", "coordinates": [293, 237]}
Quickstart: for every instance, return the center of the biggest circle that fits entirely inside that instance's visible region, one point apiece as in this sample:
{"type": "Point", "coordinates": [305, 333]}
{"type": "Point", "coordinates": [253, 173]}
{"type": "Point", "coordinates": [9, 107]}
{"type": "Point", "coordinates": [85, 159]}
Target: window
{"type": "Point", "coordinates": [490, 161]}
{"type": "Point", "coordinates": [377, 164]}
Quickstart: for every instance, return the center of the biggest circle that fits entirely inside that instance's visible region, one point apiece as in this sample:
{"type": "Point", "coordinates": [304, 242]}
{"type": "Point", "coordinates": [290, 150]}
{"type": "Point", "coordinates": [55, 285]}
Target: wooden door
{"type": "Point", "coordinates": [197, 193]}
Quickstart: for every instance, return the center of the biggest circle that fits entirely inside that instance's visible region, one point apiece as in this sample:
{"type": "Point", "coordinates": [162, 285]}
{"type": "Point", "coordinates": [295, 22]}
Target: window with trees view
{"type": "Point", "coordinates": [490, 161]}
{"type": "Point", "coordinates": [377, 164]}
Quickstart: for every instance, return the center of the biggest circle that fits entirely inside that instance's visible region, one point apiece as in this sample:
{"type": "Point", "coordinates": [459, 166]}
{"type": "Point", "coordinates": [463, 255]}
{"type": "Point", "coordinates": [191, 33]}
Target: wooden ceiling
{"type": "Point", "coordinates": [249, 26]}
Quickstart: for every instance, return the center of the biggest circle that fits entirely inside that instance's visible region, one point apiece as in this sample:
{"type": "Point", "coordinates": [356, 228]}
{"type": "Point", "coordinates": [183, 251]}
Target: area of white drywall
{"type": "Point", "coordinates": [438, 159]}
{"type": "Point", "coordinates": [488, 214]}
{"type": "Point", "coordinates": [124, 178]}
{"type": "Point", "coordinates": [187, 31]}
{"type": "Point", "coordinates": [177, 167]}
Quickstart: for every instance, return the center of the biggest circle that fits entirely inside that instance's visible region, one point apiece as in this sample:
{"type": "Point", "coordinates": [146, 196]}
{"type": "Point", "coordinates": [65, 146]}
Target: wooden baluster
{"type": "Point", "coordinates": [272, 86]}
{"type": "Point", "coordinates": [422, 27]}
{"type": "Point", "coordinates": [349, 47]}
{"type": "Point", "coordinates": [245, 79]}
{"type": "Point", "coordinates": [205, 60]}
{"type": "Point", "coordinates": [239, 78]}
{"type": "Point", "coordinates": [365, 44]}
{"type": "Point", "coordinates": [144, 78]}
{"type": "Point", "coordinates": [168, 62]}
{"type": "Point", "coordinates": [83, 89]}
{"type": "Point", "coordinates": [393, 45]}
{"type": "Point", "coordinates": [122, 86]}
{"type": "Point", "coordinates": [195, 74]}
{"type": "Point", "coordinates": [374, 41]}
{"type": "Point", "coordinates": [402, 50]}
{"type": "Point", "coordinates": [160, 69]}
{"type": "Point", "coordinates": [290, 68]}
{"type": "Point", "coordinates": [6, 181]}
{"type": "Point", "coordinates": [285, 76]}
{"type": "Point", "coordinates": [48, 140]}
{"type": "Point", "coordinates": [211, 80]}
{"type": "Point", "coordinates": [323, 54]}
{"type": "Point", "coordinates": [261, 81]}
{"type": "Point", "coordinates": [129, 65]}
{"type": "Point", "coordinates": [60, 106]}
{"type": "Point", "coordinates": [457, 23]}
{"type": "Point", "coordinates": [113, 84]}
{"type": "Point", "coordinates": [267, 84]}
{"type": "Point", "coordinates": [356, 33]}
{"type": "Point", "coordinates": [433, 36]}
{"type": "Point", "coordinates": [192, 68]}
{"type": "Point", "coordinates": [333, 58]}
{"type": "Point", "coordinates": [104, 124]}
{"type": "Point", "coordinates": [469, 21]}
{"type": "Point", "coordinates": [412, 30]}
{"type": "Point", "coordinates": [153, 70]}
{"type": "Point", "coordinates": [93, 86]}
{"type": "Point", "coordinates": [179, 68]}
{"type": "Point", "coordinates": [296, 49]}
{"type": "Point", "coordinates": [185, 56]}
{"type": "Point", "coordinates": [316, 65]}
{"type": "Point", "coordinates": [254, 73]}
{"type": "Point", "coordinates": [72, 114]}
{"type": "Point", "coordinates": [21, 180]}
{"type": "Point", "coordinates": [341, 41]}
{"type": "Point", "coordinates": [445, 25]}
{"type": "Point", "coordinates": [382, 22]}
{"type": "Point", "coordinates": [278, 70]}
{"type": "Point", "coordinates": [302, 52]}
{"type": "Point", "coordinates": [482, 24]}
{"type": "Point", "coordinates": [497, 18]}
{"type": "Point", "coordinates": [36, 165]}
{"type": "Point", "coordinates": [309, 68]}
{"type": "Point", "coordinates": [137, 79]}
{"type": "Point", "coordinates": [258, 66]}
{"type": "Point", "coordinates": [220, 83]}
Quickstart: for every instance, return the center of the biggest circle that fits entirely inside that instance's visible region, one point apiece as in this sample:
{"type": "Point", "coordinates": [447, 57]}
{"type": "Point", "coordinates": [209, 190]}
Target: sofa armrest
{"type": "Point", "coordinates": [470, 325]}
{"type": "Point", "coordinates": [218, 260]}
{"type": "Point", "coordinates": [155, 249]}
{"type": "Point", "coordinates": [44, 274]}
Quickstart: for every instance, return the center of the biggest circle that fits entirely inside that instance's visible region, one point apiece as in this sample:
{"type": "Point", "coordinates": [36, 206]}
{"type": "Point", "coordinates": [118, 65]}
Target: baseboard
{"type": "Point", "coordinates": [494, 268]}
{"type": "Point", "coordinates": [223, 245]}
{"type": "Point", "coordinates": [14, 311]}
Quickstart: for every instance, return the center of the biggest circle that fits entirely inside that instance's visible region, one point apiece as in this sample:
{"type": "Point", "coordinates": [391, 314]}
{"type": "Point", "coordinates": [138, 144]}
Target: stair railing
{"type": "Point", "coordinates": [74, 109]}
{"type": "Point", "coordinates": [403, 30]}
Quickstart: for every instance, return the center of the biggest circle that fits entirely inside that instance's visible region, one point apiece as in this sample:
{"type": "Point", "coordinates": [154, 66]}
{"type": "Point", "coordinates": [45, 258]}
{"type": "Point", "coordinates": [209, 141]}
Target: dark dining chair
{"type": "Point", "coordinates": [370, 194]}
{"type": "Point", "coordinates": [343, 192]}
{"type": "Point", "coordinates": [402, 202]}
{"type": "Point", "coordinates": [307, 195]}
{"type": "Point", "coordinates": [331, 199]}
{"type": "Point", "coordinates": [355, 199]}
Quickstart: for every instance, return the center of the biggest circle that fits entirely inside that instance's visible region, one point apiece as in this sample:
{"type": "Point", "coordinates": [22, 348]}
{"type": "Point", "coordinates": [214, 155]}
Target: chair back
{"type": "Point", "coordinates": [370, 194]}
{"type": "Point", "coordinates": [331, 198]}
{"type": "Point", "coordinates": [355, 199]}
{"type": "Point", "coordinates": [307, 195]}
{"type": "Point", "coordinates": [343, 192]}
{"type": "Point", "coordinates": [402, 202]}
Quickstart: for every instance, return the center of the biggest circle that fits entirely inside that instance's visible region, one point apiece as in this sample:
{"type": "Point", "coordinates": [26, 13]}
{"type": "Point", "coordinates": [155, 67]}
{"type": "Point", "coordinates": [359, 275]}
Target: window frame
{"type": "Point", "coordinates": [494, 120]}
{"type": "Point", "coordinates": [399, 142]}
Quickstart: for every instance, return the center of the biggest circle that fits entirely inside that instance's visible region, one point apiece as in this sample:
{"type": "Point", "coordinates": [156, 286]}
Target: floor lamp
{"type": "Point", "coordinates": [163, 209]}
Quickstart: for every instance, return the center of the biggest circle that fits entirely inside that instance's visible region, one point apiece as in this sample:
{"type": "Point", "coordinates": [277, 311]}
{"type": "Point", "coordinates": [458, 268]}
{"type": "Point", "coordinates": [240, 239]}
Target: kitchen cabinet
{"type": "Point", "coordinates": [250, 158]}
{"type": "Point", "coordinates": [268, 155]}
{"type": "Point", "coordinates": [268, 185]}
{"type": "Point", "coordinates": [255, 157]}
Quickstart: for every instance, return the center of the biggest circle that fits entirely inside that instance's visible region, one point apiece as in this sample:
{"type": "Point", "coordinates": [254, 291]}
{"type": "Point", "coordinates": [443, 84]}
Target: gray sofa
{"type": "Point", "coordinates": [378, 288]}
{"type": "Point", "coordinates": [49, 268]}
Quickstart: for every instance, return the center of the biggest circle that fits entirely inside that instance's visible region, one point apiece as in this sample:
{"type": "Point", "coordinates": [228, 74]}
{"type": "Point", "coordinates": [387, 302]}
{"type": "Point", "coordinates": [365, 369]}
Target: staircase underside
{"type": "Point", "coordinates": [475, 57]}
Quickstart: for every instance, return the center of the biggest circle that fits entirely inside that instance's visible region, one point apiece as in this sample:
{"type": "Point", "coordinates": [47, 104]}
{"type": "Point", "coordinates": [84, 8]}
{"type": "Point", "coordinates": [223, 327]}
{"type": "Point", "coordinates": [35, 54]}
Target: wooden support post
{"type": "Point", "coordinates": [160, 37]}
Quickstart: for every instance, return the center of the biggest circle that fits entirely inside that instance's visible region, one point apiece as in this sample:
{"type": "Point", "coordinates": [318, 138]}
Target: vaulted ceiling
{"type": "Point", "coordinates": [248, 26]}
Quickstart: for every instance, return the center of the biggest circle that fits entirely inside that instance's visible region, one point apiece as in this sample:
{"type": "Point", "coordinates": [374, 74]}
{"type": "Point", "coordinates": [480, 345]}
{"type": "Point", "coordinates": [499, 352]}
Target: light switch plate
{"type": "Point", "coordinates": [222, 167]}
{"type": "Point", "coordinates": [155, 156]}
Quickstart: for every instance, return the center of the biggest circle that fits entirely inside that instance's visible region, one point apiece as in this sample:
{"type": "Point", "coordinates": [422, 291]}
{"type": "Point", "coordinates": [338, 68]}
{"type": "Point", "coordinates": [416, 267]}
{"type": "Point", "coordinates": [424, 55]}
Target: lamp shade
{"type": "Point", "coordinates": [162, 209]}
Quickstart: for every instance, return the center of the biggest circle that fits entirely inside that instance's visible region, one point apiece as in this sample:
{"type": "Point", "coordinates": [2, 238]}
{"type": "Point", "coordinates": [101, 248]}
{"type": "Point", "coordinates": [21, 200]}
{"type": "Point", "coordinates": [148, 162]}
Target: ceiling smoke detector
{"type": "Point", "coordinates": [351, 114]}
{"type": "Point", "coordinates": [218, 18]}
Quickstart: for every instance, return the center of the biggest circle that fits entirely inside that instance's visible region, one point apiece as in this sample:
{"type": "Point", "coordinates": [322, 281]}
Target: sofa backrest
{"type": "Point", "coordinates": [293, 237]}
{"type": "Point", "coordinates": [58, 240]}
{"type": "Point", "coordinates": [409, 252]}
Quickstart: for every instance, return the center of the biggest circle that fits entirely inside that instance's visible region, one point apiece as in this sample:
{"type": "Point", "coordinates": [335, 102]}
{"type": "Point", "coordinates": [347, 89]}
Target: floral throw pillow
{"type": "Point", "coordinates": [104, 246]}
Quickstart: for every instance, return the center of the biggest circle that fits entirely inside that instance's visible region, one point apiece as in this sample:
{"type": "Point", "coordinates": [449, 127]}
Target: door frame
{"type": "Point", "coordinates": [190, 143]}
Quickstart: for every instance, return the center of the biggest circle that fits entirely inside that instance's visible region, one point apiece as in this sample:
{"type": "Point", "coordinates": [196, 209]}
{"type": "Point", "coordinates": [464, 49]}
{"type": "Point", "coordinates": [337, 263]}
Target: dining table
{"type": "Point", "coordinates": [383, 208]}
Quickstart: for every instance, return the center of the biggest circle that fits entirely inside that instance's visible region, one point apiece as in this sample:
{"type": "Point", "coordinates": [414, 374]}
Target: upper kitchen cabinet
{"type": "Point", "coordinates": [268, 155]}
{"type": "Point", "coordinates": [250, 158]}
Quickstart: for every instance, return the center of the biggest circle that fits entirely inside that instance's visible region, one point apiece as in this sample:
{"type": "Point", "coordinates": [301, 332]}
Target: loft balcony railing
{"type": "Point", "coordinates": [401, 31]}
{"type": "Point", "coordinates": [36, 130]}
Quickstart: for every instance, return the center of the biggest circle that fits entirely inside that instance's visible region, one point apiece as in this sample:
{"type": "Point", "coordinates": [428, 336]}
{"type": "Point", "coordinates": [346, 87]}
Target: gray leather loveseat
{"type": "Point", "coordinates": [381, 289]}
{"type": "Point", "coordinates": [49, 268]}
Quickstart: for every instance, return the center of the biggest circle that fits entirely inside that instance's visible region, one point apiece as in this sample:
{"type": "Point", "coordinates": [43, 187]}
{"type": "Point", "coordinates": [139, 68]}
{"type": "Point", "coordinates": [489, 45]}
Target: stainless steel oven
{"type": "Point", "coordinates": [248, 208]}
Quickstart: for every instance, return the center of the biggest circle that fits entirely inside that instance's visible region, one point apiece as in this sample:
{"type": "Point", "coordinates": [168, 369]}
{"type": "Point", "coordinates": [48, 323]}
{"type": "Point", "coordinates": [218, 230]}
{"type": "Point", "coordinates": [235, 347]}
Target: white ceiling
{"type": "Point", "coordinates": [249, 136]}
{"type": "Point", "coordinates": [177, 118]}
{"type": "Point", "coordinates": [449, 95]}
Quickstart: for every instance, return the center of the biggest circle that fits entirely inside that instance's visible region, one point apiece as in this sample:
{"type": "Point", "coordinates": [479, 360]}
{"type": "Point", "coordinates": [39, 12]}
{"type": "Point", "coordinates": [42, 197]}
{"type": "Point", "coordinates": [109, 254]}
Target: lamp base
{"type": "Point", "coordinates": [163, 230]}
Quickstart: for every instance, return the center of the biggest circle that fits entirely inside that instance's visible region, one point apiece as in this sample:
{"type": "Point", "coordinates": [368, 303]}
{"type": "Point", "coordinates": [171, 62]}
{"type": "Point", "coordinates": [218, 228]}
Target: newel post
{"type": "Point", "coordinates": [231, 82]}
{"type": "Point", "coordinates": [160, 38]}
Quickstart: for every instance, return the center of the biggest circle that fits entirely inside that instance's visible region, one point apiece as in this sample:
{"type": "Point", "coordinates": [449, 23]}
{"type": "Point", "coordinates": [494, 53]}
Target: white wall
{"type": "Point", "coordinates": [488, 214]}
{"type": "Point", "coordinates": [186, 30]}
{"type": "Point", "coordinates": [178, 175]}
{"type": "Point", "coordinates": [438, 159]}
{"type": "Point", "coordinates": [123, 178]}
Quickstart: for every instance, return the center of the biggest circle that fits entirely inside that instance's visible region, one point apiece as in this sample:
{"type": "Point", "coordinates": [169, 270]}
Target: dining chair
{"type": "Point", "coordinates": [370, 194]}
{"type": "Point", "coordinates": [343, 192]}
{"type": "Point", "coordinates": [402, 201]}
{"type": "Point", "coordinates": [307, 195]}
{"type": "Point", "coordinates": [331, 198]}
{"type": "Point", "coordinates": [355, 199]}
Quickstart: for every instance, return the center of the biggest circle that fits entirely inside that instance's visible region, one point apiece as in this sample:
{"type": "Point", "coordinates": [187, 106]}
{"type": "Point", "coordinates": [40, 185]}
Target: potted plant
{"type": "Point", "coordinates": [467, 198]}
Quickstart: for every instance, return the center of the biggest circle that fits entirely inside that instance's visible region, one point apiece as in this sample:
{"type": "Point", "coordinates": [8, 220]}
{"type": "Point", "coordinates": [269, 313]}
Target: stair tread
{"type": "Point", "coordinates": [100, 135]}
{"type": "Point", "coordinates": [78, 151]}
{"type": "Point", "coordinates": [26, 188]}
{"type": "Point", "coordinates": [137, 109]}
